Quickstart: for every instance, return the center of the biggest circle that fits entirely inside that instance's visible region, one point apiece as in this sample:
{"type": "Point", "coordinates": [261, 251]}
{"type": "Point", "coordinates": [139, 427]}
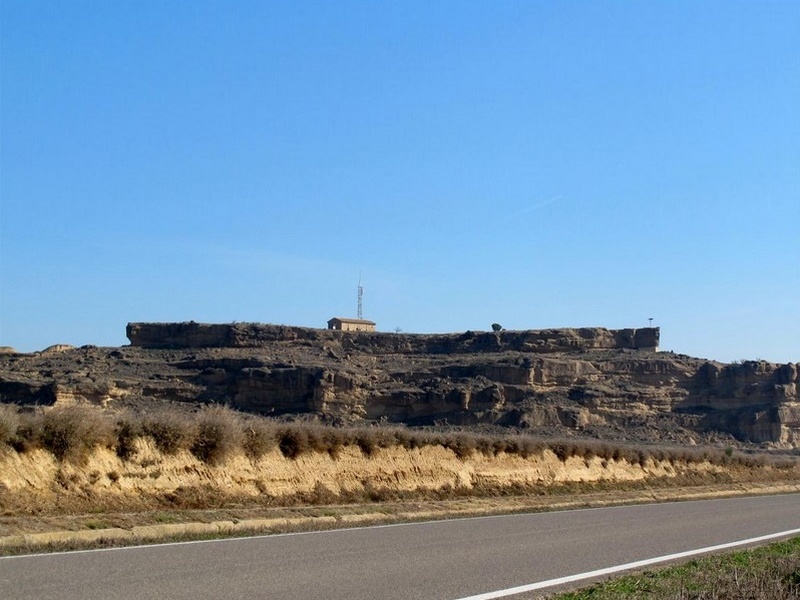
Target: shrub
{"type": "Point", "coordinates": [171, 431]}
{"type": "Point", "coordinates": [587, 451]}
{"type": "Point", "coordinates": [9, 423]}
{"type": "Point", "coordinates": [127, 430]}
{"type": "Point", "coordinates": [529, 447]}
{"type": "Point", "coordinates": [562, 450]}
{"type": "Point", "coordinates": [334, 440]}
{"type": "Point", "coordinates": [659, 454]}
{"type": "Point", "coordinates": [367, 441]}
{"type": "Point", "coordinates": [321, 494]}
{"type": "Point", "coordinates": [462, 445]}
{"type": "Point", "coordinates": [384, 437]}
{"type": "Point", "coordinates": [403, 438]}
{"type": "Point", "coordinates": [417, 440]}
{"type": "Point", "coordinates": [219, 434]}
{"type": "Point", "coordinates": [70, 433]}
{"type": "Point", "coordinates": [318, 440]}
{"type": "Point", "coordinates": [499, 445]}
{"type": "Point", "coordinates": [258, 438]}
{"type": "Point", "coordinates": [293, 441]}
{"type": "Point", "coordinates": [29, 431]}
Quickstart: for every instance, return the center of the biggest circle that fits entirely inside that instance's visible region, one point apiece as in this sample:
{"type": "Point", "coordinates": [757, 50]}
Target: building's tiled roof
{"type": "Point", "coordinates": [353, 321]}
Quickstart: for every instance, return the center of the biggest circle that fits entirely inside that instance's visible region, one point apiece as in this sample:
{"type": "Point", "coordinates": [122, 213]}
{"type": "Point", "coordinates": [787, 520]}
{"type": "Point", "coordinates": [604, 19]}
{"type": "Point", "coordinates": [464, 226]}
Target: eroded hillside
{"type": "Point", "coordinates": [609, 384]}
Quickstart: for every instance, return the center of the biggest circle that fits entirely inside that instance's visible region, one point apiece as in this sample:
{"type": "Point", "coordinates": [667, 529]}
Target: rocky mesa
{"type": "Point", "coordinates": [591, 382]}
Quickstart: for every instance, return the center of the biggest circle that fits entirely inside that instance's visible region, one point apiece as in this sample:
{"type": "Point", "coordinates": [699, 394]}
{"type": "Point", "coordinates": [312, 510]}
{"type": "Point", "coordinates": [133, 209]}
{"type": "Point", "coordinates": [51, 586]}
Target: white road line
{"type": "Point", "coordinates": [634, 565]}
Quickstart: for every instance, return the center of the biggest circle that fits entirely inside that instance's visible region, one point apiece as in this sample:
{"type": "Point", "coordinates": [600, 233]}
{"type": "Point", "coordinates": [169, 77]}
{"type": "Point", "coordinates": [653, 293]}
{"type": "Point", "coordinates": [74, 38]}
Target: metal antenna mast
{"type": "Point", "coordinates": [360, 298]}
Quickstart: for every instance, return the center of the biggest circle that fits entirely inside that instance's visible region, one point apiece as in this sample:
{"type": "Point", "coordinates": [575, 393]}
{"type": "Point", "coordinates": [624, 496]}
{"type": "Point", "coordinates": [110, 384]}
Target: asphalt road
{"type": "Point", "coordinates": [445, 560]}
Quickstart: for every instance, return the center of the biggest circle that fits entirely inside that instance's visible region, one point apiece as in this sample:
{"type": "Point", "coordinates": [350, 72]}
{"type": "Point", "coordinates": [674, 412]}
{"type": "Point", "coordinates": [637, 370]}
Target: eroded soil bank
{"type": "Point", "coordinates": [36, 481]}
{"type": "Point", "coordinates": [39, 493]}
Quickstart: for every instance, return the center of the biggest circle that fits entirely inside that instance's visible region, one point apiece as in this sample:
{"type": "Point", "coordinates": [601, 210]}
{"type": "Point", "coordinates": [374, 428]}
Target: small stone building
{"type": "Point", "coordinates": [344, 324]}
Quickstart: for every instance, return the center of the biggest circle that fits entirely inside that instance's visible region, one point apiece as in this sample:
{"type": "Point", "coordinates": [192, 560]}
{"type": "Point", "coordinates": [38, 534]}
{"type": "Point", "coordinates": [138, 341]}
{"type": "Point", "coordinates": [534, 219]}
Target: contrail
{"type": "Point", "coordinates": [535, 206]}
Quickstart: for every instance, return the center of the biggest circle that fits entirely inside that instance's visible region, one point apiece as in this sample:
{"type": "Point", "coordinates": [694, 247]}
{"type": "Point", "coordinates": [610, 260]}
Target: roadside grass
{"type": "Point", "coordinates": [215, 432]}
{"type": "Point", "coordinates": [769, 572]}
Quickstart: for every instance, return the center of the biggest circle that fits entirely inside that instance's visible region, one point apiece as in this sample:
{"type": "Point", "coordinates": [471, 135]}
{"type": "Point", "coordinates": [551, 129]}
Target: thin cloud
{"type": "Point", "coordinates": [535, 206]}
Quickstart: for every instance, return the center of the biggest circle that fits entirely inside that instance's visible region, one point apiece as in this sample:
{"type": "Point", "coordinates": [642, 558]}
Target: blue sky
{"type": "Point", "coordinates": [537, 164]}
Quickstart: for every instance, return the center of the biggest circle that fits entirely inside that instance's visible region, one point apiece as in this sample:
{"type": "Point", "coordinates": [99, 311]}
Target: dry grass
{"type": "Point", "coordinates": [215, 432]}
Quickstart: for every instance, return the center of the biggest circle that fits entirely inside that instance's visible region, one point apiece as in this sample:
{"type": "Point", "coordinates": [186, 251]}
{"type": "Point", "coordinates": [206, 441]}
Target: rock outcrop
{"type": "Point", "coordinates": [592, 382]}
{"type": "Point", "coordinates": [757, 399]}
{"type": "Point", "coordinates": [256, 335]}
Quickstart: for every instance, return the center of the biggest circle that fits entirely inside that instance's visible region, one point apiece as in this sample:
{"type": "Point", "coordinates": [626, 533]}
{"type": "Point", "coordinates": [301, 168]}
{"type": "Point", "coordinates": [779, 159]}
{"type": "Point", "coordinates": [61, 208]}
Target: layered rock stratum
{"type": "Point", "coordinates": [593, 382]}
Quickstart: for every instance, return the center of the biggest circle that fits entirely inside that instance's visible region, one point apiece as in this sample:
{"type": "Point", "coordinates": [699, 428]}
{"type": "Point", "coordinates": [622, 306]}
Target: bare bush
{"type": "Point", "coordinates": [219, 434]}
{"type": "Point", "coordinates": [367, 441]}
{"type": "Point", "coordinates": [259, 438]}
{"type": "Point", "coordinates": [127, 430]}
{"type": "Point", "coordinates": [9, 423]}
{"type": "Point", "coordinates": [29, 431]}
{"type": "Point", "coordinates": [321, 494]}
{"type": "Point", "coordinates": [318, 440]}
{"type": "Point", "coordinates": [462, 445]}
{"type": "Point", "coordinates": [563, 450]}
{"type": "Point", "coordinates": [528, 447]}
{"type": "Point", "coordinates": [293, 441]}
{"type": "Point", "coordinates": [335, 440]}
{"type": "Point", "coordinates": [402, 438]}
{"type": "Point", "coordinates": [72, 432]}
{"type": "Point", "coordinates": [171, 431]}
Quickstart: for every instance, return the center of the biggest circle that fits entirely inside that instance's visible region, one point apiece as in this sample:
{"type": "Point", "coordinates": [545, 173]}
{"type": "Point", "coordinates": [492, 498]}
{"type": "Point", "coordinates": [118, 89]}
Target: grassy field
{"type": "Point", "coordinates": [767, 573]}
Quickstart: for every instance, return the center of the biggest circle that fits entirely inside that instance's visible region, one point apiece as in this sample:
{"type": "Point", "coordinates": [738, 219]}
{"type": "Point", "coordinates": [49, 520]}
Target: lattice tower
{"type": "Point", "coordinates": [360, 312]}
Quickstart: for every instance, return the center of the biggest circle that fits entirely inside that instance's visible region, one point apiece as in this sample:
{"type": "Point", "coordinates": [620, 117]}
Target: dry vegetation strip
{"type": "Point", "coordinates": [215, 432]}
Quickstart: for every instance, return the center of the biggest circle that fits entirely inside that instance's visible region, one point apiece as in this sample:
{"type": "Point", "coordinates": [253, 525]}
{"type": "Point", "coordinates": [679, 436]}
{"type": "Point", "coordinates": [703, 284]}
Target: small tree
{"type": "Point", "coordinates": [496, 327]}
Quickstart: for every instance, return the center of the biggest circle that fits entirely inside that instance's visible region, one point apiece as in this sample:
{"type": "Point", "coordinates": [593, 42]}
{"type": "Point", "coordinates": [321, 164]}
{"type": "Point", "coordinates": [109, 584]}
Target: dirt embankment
{"type": "Point", "coordinates": [36, 482]}
{"type": "Point", "coordinates": [104, 499]}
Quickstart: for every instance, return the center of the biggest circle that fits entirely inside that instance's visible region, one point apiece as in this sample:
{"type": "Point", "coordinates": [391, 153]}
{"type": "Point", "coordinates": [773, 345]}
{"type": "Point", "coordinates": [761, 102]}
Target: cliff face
{"type": "Point", "coordinates": [757, 398]}
{"type": "Point", "coordinates": [254, 335]}
{"type": "Point", "coordinates": [594, 382]}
